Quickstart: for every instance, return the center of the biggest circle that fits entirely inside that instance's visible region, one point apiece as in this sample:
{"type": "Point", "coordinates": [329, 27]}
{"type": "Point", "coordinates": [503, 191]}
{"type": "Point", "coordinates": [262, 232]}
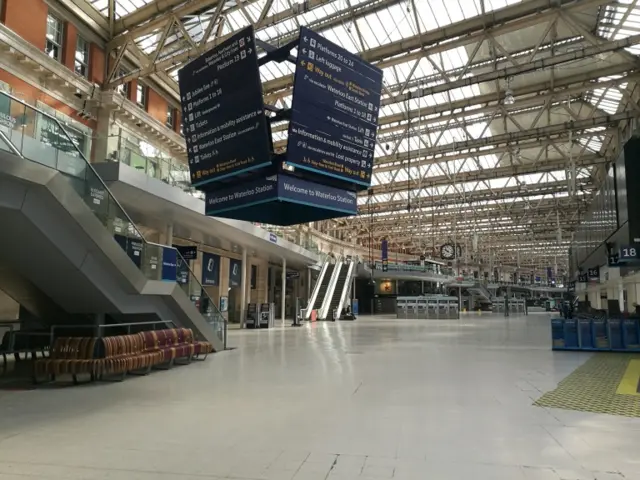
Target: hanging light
{"type": "Point", "coordinates": [508, 94]}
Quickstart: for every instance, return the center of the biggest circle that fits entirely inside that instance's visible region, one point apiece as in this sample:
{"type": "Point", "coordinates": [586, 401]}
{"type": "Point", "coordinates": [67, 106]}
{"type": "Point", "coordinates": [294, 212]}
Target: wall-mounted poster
{"type": "Point", "coordinates": [235, 272]}
{"type": "Point", "coordinates": [210, 270]}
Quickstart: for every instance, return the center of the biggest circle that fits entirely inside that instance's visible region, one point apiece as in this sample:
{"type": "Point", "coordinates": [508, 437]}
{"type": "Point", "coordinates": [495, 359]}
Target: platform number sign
{"type": "Point", "coordinates": [593, 273]}
{"type": "Point", "coordinates": [628, 252]}
{"type": "Point", "coordinates": [582, 278]}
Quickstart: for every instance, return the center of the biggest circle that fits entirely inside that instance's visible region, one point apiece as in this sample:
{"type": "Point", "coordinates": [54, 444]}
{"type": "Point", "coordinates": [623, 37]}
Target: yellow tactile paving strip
{"type": "Point", "coordinates": [594, 386]}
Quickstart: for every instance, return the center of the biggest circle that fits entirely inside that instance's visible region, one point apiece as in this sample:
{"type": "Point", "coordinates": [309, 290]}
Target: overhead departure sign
{"type": "Point", "coordinates": [334, 118]}
{"type": "Point", "coordinates": [222, 111]}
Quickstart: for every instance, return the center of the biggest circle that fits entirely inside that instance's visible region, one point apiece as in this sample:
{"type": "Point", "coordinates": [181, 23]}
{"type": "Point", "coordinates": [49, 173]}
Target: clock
{"type": "Point", "coordinates": [448, 251]}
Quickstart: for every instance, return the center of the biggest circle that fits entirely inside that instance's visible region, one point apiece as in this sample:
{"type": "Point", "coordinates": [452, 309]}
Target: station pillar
{"type": "Point", "coordinates": [284, 289]}
{"type": "Point", "coordinates": [243, 287]}
{"type": "Point", "coordinates": [168, 234]}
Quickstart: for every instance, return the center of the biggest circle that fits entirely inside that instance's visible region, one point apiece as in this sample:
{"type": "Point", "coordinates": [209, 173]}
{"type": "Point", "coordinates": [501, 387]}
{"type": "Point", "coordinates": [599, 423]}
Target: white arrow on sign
{"type": "Point", "coordinates": [250, 51]}
{"type": "Point", "coordinates": [304, 50]}
{"type": "Point", "coordinates": [305, 39]}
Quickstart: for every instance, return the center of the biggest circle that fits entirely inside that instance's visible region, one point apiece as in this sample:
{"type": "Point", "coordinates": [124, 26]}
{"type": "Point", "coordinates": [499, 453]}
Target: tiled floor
{"type": "Point", "coordinates": [372, 399]}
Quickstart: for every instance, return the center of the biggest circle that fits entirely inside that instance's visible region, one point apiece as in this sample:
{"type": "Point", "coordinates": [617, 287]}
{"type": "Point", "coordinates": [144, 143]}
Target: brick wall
{"type": "Point", "coordinates": [96, 64]}
{"type": "Point", "coordinates": [27, 18]}
{"type": "Point", "coordinates": [69, 45]}
{"type": "Point", "coordinates": [156, 106]}
{"type": "Point", "coordinates": [31, 94]}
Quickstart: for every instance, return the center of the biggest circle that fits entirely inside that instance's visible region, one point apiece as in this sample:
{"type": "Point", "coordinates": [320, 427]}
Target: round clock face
{"type": "Point", "coordinates": [448, 251]}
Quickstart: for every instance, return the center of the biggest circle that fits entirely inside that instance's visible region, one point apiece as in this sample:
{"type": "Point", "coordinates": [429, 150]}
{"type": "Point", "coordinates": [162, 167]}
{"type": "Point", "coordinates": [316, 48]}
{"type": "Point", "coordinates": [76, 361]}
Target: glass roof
{"type": "Point", "coordinates": [455, 132]}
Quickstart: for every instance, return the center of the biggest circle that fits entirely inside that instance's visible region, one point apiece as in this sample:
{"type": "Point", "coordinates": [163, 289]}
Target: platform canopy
{"type": "Point", "coordinates": [499, 116]}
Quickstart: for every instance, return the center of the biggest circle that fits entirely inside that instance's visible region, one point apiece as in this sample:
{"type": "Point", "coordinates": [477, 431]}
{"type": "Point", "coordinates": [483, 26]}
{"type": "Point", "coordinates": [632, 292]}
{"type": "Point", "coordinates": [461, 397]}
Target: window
{"type": "Point", "coordinates": [141, 96]}
{"type": "Point", "coordinates": [81, 64]}
{"type": "Point", "coordinates": [53, 47]}
{"type": "Point", "coordinates": [170, 116]}
{"type": "Point", "coordinates": [123, 88]}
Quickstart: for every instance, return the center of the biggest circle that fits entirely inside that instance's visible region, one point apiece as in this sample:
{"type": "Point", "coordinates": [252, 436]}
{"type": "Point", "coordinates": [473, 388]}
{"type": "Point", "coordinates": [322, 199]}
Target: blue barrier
{"type": "Point", "coordinates": [596, 334]}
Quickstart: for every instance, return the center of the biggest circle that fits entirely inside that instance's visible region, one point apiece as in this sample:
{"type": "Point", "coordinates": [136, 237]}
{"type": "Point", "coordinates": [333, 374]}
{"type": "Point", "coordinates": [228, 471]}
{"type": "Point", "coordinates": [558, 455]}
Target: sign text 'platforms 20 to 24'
{"type": "Point", "coordinates": [223, 112]}
{"type": "Point", "coordinates": [336, 101]}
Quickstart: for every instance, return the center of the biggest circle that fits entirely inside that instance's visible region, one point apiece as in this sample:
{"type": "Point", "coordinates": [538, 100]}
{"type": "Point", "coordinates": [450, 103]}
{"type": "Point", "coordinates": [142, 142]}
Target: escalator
{"type": "Point", "coordinates": [338, 291]}
{"type": "Point", "coordinates": [320, 291]}
{"type": "Point", "coordinates": [69, 253]}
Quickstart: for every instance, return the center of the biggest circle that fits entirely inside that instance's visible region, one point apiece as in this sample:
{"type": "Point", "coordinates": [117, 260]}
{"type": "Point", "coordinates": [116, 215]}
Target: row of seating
{"type": "Point", "coordinates": [119, 355]}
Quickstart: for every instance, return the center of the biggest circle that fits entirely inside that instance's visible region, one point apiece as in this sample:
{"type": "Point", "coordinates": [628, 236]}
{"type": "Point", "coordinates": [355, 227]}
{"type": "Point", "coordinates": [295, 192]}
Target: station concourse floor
{"type": "Point", "coordinates": [377, 398]}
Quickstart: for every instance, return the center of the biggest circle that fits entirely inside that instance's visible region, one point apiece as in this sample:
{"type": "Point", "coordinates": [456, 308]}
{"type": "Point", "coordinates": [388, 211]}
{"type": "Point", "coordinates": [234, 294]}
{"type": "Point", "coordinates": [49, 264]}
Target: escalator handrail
{"type": "Point", "coordinates": [316, 288]}
{"type": "Point", "coordinates": [328, 296]}
{"type": "Point", "coordinates": [346, 289]}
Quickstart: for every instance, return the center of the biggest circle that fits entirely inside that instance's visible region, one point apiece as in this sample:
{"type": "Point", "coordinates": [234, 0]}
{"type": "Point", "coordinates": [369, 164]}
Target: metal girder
{"type": "Point", "coordinates": [159, 22]}
{"type": "Point", "coordinates": [417, 220]}
{"type": "Point", "coordinates": [526, 97]}
{"type": "Point", "coordinates": [560, 129]}
{"type": "Point", "coordinates": [465, 32]}
{"type": "Point", "coordinates": [586, 52]}
{"type": "Point", "coordinates": [390, 163]}
{"type": "Point", "coordinates": [505, 193]}
{"type": "Point", "coordinates": [172, 61]}
{"type": "Point", "coordinates": [488, 174]}
{"type": "Point", "coordinates": [146, 13]}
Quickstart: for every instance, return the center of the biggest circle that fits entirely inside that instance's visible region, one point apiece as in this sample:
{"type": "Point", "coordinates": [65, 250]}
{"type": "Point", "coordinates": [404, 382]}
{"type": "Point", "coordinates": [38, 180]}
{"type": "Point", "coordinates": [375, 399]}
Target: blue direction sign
{"type": "Point", "coordinates": [336, 101]}
{"type": "Point", "coordinates": [222, 111]}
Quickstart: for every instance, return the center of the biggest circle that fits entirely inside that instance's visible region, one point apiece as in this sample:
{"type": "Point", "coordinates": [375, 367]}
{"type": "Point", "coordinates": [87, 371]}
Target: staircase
{"type": "Point", "coordinates": [70, 253]}
{"type": "Point", "coordinates": [484, 296]}
{"type": "Point", "coordinates": [338, 290]}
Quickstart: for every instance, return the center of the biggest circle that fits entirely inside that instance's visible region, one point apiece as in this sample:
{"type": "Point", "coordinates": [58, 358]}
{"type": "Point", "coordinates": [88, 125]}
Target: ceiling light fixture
{"type": "Point", "coordinates": [508, 94]}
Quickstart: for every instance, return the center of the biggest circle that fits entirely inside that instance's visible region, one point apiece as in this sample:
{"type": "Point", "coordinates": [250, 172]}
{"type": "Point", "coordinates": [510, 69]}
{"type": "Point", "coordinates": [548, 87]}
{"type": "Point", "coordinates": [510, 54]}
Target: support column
{"type": "Point", "coordinates": [621, 296]}
{"type": "Point", "coordinates": [243, 287]}
{"type": "Point", "coordinates": [284, 288]}
{"type": "Point", "coordinates": [168, 235]}
{"type": "Point", "coordinates": [105, 143]}
{"type": "Point", "coordinates": [308, 285]}
{"type": "Point", "coordinates": [98, 322]}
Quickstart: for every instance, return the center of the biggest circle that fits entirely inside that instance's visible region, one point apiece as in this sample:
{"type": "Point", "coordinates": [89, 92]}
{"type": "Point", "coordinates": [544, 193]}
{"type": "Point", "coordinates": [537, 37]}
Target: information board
{"type": "Point", "coordinates": [281, 187]}
{"type": "Point", "coordinates": [222, 111]}
{"type": "Point", "coordinates": [334, 118]}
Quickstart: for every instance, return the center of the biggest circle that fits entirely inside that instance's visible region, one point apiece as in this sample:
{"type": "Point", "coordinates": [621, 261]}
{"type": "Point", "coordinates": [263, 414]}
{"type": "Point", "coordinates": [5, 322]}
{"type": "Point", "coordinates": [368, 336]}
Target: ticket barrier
{"type": "Point", "coordinates": [421, 307]}
{"type": "Point", "coordinates": [596, 334]}
{"type": "Point", "coordinates": [401, 308]}
{"type": "Point", "coordinates": [432, 306]}
{"type": "Point", "coordinates": [443, 309]}
{"type": "Point", "coordinates": [454, 309]}
{"type": "Point", "coordinates": [517, 305]}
